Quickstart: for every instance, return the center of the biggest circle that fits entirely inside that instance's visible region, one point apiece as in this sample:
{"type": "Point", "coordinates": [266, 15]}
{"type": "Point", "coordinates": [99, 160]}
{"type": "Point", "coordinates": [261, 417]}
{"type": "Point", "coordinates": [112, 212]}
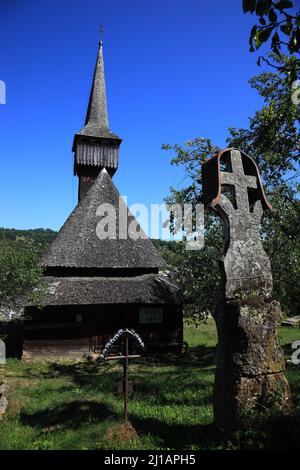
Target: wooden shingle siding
{"type": "Point", "coordinates": [97, 155]}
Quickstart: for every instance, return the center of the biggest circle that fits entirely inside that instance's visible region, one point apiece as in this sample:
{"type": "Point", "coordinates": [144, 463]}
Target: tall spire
{"type": "Point", "coordinates": [96, 116]}
{"type": "Point", "coordinates": [95, 146]}
{"type": "Point", "coordinates": [96, 121]}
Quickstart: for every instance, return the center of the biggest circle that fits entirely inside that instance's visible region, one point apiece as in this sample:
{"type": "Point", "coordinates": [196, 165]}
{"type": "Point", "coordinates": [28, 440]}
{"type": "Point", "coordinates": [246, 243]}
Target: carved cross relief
{"type": "Point", "coordinates": [246, 266]}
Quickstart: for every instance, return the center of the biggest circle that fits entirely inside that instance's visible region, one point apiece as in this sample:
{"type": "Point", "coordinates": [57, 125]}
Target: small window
{"type": "Point", "coordinates": [151, 315]}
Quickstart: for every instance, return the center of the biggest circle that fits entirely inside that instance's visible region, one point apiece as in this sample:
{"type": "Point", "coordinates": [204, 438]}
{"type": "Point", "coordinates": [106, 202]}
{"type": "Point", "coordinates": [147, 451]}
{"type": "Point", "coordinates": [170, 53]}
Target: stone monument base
{"type": "Point", "coordinates": [250, 362]}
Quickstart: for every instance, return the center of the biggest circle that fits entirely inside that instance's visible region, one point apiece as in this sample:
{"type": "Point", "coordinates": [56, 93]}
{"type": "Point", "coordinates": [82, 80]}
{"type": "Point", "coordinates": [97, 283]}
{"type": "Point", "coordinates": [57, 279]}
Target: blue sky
{"type": "Point", "coordinates": [174, 70]}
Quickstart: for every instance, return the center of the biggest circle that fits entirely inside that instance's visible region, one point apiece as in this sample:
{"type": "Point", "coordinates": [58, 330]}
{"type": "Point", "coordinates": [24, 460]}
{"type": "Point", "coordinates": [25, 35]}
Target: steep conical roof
{"type": "Point", "coordinates": [96, 121]}
{"type": "Point", "coordinates": [97, 109]}
{"type": "Point", "coordinates": [77, 244]}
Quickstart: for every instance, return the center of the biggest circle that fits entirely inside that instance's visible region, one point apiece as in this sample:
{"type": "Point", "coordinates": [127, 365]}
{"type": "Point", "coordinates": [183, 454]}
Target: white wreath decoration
{"type": "Point", "coordinates": [117, 335]}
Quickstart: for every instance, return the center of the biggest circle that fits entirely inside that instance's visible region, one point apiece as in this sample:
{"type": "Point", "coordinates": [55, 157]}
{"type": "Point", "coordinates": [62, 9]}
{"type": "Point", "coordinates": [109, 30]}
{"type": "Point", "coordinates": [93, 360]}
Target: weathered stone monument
{"type": "Point", "coordinates": [250, 361]}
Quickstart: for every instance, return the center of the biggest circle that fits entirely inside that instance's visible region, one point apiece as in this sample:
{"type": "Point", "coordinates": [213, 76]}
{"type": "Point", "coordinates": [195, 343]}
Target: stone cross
{"type": "Point", "coordinates": [246, 265]}
{"type": "Point", "coordinates": [238, 179]}
{"type": "Point", "coordinates": [249, 359]}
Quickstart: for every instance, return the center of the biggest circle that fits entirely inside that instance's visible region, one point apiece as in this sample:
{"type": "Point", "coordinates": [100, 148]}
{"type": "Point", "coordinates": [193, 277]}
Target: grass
{"type": "Point", "coordinates": [73, 405]}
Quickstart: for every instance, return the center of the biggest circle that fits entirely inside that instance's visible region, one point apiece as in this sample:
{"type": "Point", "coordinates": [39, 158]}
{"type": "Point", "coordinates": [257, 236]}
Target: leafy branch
{"type": "Point", "coordinates": [277, 24]}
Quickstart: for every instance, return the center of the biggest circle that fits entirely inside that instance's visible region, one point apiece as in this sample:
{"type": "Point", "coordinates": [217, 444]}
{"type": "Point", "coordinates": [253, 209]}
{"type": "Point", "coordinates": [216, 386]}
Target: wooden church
{"type": "Point", "coordinates": [95, 286]}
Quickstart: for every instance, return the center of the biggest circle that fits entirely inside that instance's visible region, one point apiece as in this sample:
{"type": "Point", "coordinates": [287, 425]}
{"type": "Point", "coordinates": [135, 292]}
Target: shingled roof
{"type": "Point", "coordinates": [96, 121]}
{"type": "Point", "coordinates": [78, 246]}
{"type": "Point", "coordinates": [145, 289]}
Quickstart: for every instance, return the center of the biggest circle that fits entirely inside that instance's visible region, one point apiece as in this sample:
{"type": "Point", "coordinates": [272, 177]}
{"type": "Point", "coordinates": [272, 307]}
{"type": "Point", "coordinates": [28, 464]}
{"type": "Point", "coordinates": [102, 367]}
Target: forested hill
{"type": "Point", "coordinates": [39, 236]}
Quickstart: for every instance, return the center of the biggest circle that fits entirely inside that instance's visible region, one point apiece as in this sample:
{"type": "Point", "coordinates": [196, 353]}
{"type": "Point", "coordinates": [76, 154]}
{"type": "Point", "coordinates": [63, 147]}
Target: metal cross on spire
{"type": "Point", "coordinates": [101, 31]}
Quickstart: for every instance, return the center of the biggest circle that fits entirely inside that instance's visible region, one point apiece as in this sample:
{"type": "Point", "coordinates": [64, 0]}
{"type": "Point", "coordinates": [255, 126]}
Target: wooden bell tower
{"type": "Point", "coordinates": [95, 147]}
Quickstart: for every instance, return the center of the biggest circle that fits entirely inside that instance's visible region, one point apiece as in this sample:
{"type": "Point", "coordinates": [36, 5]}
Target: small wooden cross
{"type": "Point", "coordinates": [124, 357]}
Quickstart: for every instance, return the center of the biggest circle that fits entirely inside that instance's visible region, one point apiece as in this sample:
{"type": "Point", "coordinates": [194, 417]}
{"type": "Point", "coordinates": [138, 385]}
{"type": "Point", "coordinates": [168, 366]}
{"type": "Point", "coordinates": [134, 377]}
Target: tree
{"type": "Point", "coordinates": [197, 275]}
{"type": "Point", "coordinates": [273, 136]}
{"type": "Point", "coordinates": [278, 23]}
{"type": "Point", "coordinates": [281, 238]}
{"type": "Point", "coordinates": [38, 237]}
{"type": "Point", "coordinates": [196, 272]}
{"type": "Point", "coordinates": [272, 140]}
{"type": "Point", "coordinates": [20, 275]}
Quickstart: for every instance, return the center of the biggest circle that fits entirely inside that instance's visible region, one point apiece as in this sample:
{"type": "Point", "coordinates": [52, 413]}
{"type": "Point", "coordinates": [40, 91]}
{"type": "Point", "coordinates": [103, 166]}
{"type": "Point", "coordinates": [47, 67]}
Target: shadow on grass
{"type": "Point", "coordinates": [85, 373]}
{"type": "Point", "coordinates": [267, 431]}
{"type": "Point", "coordinates": [68, 415]}
{"type": "Point", "coordinates": [159, 380]}
{"type": "Point", "coordinates": [175, 388]}
{"type": "Point", "coordinates": [202, 356]}
{"type": "Point", "coordinates": [178, 436]}
{"type": "Point", "coordinates": [280, 432]}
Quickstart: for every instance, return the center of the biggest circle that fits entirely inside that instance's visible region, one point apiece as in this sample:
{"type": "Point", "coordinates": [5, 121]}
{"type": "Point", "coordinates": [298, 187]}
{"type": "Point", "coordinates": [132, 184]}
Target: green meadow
{"type": "Point", "coordinates": [74, 405]}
